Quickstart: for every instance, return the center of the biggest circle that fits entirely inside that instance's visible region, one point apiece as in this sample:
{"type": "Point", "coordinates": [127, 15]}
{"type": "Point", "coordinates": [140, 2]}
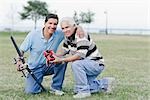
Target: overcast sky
{"type": "Point", "coordinates": [121, 13]}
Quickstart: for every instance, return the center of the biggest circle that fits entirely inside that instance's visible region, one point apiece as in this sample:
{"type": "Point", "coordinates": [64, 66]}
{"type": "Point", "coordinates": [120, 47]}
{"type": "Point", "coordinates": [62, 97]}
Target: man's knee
{"type": "Point", "coordinates": [32, 91]}
{"type": "Point", "coordinates": [31, 86]}
{"type": "Point", "coordinates": [76, 65]}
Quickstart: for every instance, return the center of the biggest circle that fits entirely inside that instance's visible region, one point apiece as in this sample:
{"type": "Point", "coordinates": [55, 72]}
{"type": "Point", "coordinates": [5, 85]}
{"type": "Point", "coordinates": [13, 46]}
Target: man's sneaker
{"type": "Point", "coordinates": [82, 95]}
{"type": "Point", "coordinates": [57, 92]}
{"type": "Point", "coordinates": [111, 85]}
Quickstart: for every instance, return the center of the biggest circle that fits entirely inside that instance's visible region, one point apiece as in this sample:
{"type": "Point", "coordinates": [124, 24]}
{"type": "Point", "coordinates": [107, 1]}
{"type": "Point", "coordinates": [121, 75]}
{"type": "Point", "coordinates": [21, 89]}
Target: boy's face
{"type": "Point", "coordinates": [51, 25]}
{"type": "Point", "coordinates": [67, 28]}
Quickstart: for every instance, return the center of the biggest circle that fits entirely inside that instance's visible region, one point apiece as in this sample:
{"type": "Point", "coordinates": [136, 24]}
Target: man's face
{"type": "Point", "coordinates": [67, 28]}
{"type": "Point", "coordinates": [51, 25]}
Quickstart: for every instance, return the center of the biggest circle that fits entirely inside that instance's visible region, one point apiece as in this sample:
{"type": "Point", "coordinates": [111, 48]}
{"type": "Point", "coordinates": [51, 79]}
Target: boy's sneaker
{"type": "Point", "coordinates": [56, 92]}
{"type": "Point", "coordinates": [111, 85]}
{"type": "Point", "coordinates": [82, 95]}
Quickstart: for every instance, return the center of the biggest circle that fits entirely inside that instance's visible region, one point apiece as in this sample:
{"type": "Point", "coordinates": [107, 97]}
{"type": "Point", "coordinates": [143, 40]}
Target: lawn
{"type": "Point", "coordinates": [127, 58]}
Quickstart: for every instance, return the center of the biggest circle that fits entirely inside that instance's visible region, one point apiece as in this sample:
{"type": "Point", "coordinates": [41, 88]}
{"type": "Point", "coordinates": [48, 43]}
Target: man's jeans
{"type": "Point", "coordinates": [85, 72]}
{"type": "Point", "coordinates": [58, 70]}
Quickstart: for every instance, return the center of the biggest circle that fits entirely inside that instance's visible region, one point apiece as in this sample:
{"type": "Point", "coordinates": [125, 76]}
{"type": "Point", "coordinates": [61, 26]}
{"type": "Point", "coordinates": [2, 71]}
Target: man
{"type": "Point", "coordinates": [87, 62]}
{"type": "Point", "coordinates": [36, 42]}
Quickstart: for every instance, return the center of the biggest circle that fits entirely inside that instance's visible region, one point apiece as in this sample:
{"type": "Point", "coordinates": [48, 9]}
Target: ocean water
{"type": "Point", "coordinates": [129, 31]}
{"type": "Point", "coordinates": [119, 31]}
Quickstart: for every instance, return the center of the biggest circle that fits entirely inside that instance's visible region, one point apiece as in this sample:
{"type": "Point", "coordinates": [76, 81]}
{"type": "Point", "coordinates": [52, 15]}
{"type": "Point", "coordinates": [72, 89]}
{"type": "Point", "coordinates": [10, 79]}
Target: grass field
{"type": "Point", "coordinates": [126, 57]}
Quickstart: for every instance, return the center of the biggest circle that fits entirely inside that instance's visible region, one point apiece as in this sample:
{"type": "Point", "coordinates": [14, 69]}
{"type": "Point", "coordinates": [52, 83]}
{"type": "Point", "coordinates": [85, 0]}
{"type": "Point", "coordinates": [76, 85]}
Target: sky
{"type": "Point", "coordinates": [120, 13]}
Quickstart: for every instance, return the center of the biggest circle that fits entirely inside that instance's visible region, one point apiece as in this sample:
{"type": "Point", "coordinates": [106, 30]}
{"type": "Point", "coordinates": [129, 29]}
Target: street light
{"type": "Point", "coordinates": [106, 27]}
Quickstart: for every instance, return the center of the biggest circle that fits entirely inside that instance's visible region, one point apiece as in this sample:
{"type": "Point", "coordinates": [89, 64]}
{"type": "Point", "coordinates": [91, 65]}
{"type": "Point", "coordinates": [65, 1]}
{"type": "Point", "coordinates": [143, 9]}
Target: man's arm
{"type": "Point", "coordinates": [67, 59]}
{"type": "Point", "coordinates": [71, 58]}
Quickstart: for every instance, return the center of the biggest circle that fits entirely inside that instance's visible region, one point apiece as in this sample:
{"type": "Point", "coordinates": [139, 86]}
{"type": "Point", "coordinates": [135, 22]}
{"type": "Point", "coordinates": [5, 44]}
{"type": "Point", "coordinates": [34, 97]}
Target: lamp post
{"type": "Point", "coordinates": [106, 27]}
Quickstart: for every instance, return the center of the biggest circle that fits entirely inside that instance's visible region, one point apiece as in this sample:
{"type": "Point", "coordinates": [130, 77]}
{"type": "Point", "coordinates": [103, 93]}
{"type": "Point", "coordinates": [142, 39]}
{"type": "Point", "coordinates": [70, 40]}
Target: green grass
{"type": "Point", "coordinates": [126, 57]}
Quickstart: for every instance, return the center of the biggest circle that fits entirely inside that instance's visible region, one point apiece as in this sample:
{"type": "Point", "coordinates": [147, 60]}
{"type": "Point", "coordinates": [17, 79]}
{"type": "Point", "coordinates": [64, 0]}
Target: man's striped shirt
{"type": "Point", "coordinates": [83, 47]}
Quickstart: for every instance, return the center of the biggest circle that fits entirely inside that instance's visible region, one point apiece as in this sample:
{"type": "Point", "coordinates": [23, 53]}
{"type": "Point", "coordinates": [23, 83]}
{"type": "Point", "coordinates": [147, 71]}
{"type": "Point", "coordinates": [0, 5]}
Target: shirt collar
{"type": "Point", "coordinates": [72, 37]}
{"type": "Point", "coordinates": [42, 34]}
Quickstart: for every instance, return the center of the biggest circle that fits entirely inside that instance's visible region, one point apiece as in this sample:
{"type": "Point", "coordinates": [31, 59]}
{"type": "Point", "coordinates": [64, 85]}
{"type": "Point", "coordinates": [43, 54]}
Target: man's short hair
{"type": "Point", "coordinates": [69, 20]}
{"type": "Point", "coordinates": [51, 16]}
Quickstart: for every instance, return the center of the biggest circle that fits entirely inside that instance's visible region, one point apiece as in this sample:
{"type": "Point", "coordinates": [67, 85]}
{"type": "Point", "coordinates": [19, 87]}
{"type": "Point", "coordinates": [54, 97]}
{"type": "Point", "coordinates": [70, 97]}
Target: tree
{"type": "Point", "coordinates": [34, 10]}
{"type": "Point", "coordinates": [75, 17]}
{"type": "Point", "coordinates": [86, 17]}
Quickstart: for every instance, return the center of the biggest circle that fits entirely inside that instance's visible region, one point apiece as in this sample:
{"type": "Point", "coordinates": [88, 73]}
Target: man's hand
{"type": "Point", "coordinates": [80, 32]}
{"type": "Point", "coordinates": [48, 54]}
{"type": "Point", "coordinates": [58, 60]}
{"type": "Point", "coordinates": [19, 65]}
